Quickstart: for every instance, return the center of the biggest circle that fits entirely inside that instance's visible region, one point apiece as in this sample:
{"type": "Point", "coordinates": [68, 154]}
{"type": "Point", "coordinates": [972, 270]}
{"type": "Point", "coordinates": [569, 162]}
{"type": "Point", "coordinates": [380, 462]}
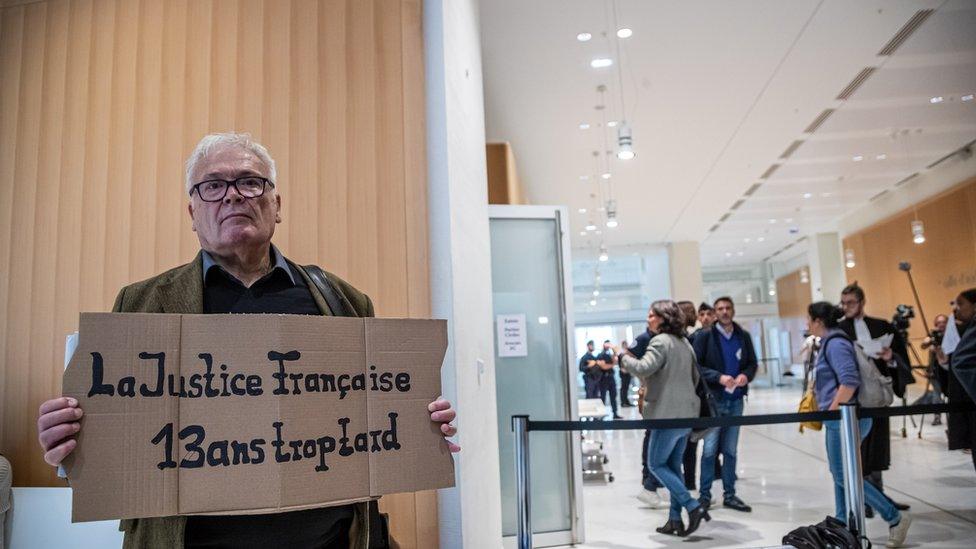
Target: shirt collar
{"type": "Point", "coordinates": [726, 334]}
{"type": "Point", "coordinates": [276, 258]}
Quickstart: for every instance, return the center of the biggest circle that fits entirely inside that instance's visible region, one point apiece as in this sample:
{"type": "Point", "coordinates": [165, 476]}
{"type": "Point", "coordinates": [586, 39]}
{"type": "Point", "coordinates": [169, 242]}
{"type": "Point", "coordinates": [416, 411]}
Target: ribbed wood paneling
{"type": "Point", "coordinates": [102, 100]}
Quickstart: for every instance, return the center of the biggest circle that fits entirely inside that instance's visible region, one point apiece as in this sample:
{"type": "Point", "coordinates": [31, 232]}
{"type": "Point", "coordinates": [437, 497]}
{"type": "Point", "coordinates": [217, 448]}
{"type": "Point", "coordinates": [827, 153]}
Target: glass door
{"type": "Point", "coordinates": [534, 366]}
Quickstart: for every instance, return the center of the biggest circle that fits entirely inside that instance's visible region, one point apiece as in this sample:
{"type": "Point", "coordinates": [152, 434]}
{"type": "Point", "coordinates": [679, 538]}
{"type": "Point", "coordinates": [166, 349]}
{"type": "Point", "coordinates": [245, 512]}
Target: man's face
{"type": "Point", "coordinates": [234, 222]}
{"type": "Point", "coordinates": [706, 318]}
{"type": "Point", "coordinates": [963, 309]}
{"type": "Point", "coordinates": [589, 347]}
{"type": "Point", "coordinates": [724, 312]}
{"type": "Point", "coordinates": [853, 307]}
{"type": "Point", "coordinates": [607, 345]}
{"type": "Point", "coordinates": [941, 321]}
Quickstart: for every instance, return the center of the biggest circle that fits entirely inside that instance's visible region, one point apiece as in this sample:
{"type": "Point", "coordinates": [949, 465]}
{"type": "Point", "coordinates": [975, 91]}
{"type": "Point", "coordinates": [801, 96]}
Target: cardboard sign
{"type": "Point", "coordinates": [246, 414]}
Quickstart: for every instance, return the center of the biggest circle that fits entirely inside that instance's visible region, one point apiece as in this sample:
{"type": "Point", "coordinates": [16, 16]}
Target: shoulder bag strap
{"type": "Point", "coordinates": [336, 304]}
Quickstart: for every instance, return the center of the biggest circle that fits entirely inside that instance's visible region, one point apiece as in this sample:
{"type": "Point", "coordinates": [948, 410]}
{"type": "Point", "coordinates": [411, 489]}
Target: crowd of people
{"type": "Point", "coordinates": [687, 355]}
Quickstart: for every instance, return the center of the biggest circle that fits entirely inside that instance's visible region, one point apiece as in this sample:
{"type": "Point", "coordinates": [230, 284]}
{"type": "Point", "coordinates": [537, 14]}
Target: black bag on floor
{"type": "Point", "coordinates": [829, 534]}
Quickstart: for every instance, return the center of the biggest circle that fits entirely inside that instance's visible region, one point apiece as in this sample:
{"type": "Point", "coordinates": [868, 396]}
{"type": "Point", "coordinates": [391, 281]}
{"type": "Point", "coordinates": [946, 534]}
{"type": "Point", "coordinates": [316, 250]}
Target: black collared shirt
{"type": "Point", "coordinates": [282, 291]}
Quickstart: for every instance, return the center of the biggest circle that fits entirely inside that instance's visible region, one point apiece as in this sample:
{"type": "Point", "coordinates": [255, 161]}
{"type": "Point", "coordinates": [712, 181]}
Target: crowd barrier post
{"type": "Point", "coordinates": [850, 438]}
{"type": "Point", "coordinates": [520, 424]}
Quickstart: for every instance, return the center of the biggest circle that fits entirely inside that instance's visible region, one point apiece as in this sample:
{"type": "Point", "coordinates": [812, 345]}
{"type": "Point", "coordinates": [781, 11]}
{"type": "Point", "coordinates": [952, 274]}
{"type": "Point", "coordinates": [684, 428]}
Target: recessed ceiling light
{"type": "Point", "coordinates": [857, 158]}
{"type": "Point", "coordinates": [591, 227]}
{"type": "Point", "coordinates": [599, 232]}
{"type": "Point", "coordinates": [582, 210]}
{"type": "Point", "coordinates": [807, 195]}
{"type": "Point", "coordinates": [584, 177]}
{"type": "Point", "coordinates": [584, 36]}
{"type": "Point", "coordinates": [881, 156]}
{"type": "Point", "coordinates": [967, 97]}
{"type": "Point", "coordinates": [624, 33]}
{"type": "Point", "coordinates": [613, 123]}
{"type": "Point", "coordinates": [728, 254]}
{"type": "Point", "coordinates": [746, 239]}
{"type": "Point", "coordinates": [772, 221]}
{"type": "Point", "coordinates": [788, 220]}
{"type": "Point", "coordinates": [596, 293]}
{"type": "Point", "coordinates": [601, 62]}
{"type": "Point", "coordinates": [761, 239]}
{"type": "Point", "coordinates": [606, 175]}
{"type": "Point", "coordinates": [584, 126]}
{"type": "Point", "coordinates": [740, 254]}
{"type": "Point", "coordinates": [592, 302]}
{"type": "Point", "coordinates": [582, 233]}
{"type": "Point", "coordinates": [937, 99]}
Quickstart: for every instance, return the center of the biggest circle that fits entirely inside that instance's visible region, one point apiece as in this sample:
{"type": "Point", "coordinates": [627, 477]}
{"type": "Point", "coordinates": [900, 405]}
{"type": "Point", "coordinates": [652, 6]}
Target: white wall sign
{"type": "Point", "coordinates": [511, 335]}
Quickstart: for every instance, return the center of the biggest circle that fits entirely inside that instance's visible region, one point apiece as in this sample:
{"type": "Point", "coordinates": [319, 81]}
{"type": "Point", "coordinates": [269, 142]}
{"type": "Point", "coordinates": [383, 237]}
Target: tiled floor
{"type": "Point", "coordinates": [784, 476]}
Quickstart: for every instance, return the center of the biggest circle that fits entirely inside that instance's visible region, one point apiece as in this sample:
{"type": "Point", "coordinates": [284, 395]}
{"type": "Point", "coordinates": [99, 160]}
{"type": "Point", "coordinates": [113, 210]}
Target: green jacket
{"type": "Point", "coordinates": [180, 290]}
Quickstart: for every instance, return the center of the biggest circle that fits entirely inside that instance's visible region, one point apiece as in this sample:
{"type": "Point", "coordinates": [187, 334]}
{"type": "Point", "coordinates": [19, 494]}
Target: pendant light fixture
{"type": "Point", "coordinates": [849, 258]}
{"type": "Point", "coordinates": [918, 232]}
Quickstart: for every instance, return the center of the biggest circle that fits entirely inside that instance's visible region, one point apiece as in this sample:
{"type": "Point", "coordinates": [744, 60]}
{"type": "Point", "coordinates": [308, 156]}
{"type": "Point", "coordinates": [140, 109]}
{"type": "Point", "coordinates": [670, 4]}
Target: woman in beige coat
{"type": "Point", "coordinates": [668, 371]}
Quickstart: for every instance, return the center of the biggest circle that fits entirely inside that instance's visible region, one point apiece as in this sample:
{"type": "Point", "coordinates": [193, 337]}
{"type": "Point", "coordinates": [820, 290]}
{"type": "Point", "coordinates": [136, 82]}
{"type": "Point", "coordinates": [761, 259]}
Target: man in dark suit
{"type": "Point", "coordinates": [876, 447]}
{"type": "Point", "coordinates": [234, 206]}
{"type": "Point", "coordinates": [962, 372]}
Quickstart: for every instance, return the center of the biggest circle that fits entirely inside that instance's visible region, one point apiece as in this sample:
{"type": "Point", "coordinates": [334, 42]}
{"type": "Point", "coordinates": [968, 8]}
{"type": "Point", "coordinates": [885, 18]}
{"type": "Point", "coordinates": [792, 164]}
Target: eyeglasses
{"type": "Point", "coordinates": [215, 190]}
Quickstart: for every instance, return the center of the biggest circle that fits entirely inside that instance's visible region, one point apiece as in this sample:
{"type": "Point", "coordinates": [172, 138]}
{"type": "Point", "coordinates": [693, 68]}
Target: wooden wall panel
{"type": "Point", "coordinates": [792, 295]}
{"type": "Point", "coordinates": [942, 266]}
{"type": "Point", "coordinates": [504, 186]}
{"type": "Point", "coordinates": [102, 100]}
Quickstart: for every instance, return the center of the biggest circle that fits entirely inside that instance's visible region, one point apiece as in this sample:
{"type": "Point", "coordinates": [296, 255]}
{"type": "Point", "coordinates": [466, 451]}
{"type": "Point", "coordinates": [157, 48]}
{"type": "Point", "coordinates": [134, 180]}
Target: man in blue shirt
{"type": "Point", "coordinates": [728, 364]}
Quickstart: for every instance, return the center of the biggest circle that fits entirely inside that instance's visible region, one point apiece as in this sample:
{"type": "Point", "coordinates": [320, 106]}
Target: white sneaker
{"type": "Point", "coordinates": [652, 499]}
{"type": "Point", "coordinates": [898, 532]}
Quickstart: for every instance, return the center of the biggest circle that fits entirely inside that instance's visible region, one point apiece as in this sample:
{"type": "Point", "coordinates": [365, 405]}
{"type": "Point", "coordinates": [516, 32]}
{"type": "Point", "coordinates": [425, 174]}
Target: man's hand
{"type": "Point", "coordinates": [741, 380]}
{"type": "Point", "coordinates": [57, 421]}
{"type": "Point", "coordinates": [727, 381]}
{"type": "Point", "coordinates": [886, 354]}
{"type": "Point", "coordinates": [441, 412]}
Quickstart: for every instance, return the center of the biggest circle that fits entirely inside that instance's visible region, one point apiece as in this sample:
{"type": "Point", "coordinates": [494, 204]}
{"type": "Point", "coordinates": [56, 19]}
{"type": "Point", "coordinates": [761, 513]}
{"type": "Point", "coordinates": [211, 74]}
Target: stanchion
{"type": "Point", "coordinates": [850, 443]}
{"type": "Point", "coordinates": [520, 424]}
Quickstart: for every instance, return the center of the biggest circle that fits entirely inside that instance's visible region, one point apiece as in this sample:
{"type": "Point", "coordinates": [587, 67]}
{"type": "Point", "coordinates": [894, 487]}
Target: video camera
{"type": "Point", "coordinates": [902, 318]}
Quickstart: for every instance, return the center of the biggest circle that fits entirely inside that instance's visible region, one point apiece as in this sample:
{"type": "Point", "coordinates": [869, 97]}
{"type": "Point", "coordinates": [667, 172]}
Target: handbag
{"type": "Point", "coordinates": [706, 407]}
{"type": "Point", "coordinates": [809, 404]}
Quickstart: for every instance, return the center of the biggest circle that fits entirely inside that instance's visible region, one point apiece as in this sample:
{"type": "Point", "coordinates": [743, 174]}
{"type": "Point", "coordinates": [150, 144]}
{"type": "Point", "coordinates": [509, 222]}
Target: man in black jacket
{"type": "Point", "coordinates": [728, 364]}
{"type": "Point", "coordinates": [876, 447]}
{"type": "Point", "coordinates": [590, 371]}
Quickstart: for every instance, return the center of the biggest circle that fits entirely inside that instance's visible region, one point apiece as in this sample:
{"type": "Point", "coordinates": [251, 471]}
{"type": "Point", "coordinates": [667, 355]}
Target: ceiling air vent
{"type": "Point", "coordinates": [714, 228]}
{"type": "Point", "coordinates": [906, 180]}
{"type": "Point", "coordinates": [769, 172]}
{"type": "Point", "coordinates": [879, 195]}
{"type": "Point", "coordinates": [856, 83]}
{"type": "Point", "coordinates": [751, 190]}
{"type": "Point", "coordinates": [911, 26]}
{"type": "Point", "coordinates": [738, 203]}
{"type": "Point", "coordinates": [818, 121]}
{"type": "Point", "coordinates": [724, 217]}
{"type": "Point", "coordinates": [791, 149]}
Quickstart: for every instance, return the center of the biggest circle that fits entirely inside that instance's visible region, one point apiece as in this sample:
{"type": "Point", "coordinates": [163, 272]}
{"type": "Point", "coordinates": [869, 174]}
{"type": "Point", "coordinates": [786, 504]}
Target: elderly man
{"type": "Point", "coordinates": [234, 207]}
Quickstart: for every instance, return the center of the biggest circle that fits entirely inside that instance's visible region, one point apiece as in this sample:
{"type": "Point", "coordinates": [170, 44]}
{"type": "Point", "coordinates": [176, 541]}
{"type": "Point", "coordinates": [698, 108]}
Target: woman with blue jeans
{"type": "Point", "coordinates": [669, 374]}
{"type": "Point", "coordinates": [836, 379]}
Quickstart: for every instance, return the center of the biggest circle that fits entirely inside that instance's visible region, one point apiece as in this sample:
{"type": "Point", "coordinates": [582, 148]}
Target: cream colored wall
{"type": "Point", "coordinates": [102, 100]}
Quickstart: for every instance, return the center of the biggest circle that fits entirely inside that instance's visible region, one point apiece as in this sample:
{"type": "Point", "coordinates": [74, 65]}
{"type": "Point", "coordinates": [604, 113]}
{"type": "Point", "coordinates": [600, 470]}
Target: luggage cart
{"type": "Point", "coordinates": [594, 458]}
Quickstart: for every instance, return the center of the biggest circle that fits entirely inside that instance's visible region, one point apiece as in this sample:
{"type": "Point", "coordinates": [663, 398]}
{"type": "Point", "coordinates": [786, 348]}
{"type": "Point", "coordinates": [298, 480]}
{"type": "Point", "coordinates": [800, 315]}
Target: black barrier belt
{"type": "Point", "coordinates": [732, 421]}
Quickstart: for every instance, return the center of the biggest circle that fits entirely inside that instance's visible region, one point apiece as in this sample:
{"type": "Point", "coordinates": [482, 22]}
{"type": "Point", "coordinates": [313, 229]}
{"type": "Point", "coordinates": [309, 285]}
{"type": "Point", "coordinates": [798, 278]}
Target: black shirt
{"type": "Point", "coordinates": [583, 363]}
{"type": "Point", "coordinates": [282, 291]}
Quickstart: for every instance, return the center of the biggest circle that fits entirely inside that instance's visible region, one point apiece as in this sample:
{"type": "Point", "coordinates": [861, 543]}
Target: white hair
{"type": "Point", "coordinates": [215, 141]}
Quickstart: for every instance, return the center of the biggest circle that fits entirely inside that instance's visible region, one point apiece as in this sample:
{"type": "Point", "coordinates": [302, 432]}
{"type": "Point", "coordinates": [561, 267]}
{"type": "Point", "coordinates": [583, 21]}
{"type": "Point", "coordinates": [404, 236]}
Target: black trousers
{"type": "Point", "coordinates": [625, 388]}
{"type": "Point", "coordinates": [608, 385]}
{"type": "Point", "coordinates": [689, 464]}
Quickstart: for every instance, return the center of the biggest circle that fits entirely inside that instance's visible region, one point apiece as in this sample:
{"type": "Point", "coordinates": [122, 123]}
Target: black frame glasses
{"type": "Point", "coordinates": [237, 184]}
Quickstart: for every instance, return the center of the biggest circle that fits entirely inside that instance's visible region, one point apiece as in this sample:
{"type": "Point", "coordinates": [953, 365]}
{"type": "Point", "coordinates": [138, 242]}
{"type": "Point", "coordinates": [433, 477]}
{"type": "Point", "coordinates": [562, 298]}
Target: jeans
{"type": "Point", "coordinates": [649, 481]}
{"type": "Point", "coordinates": [726, 441]}
{"type": "Point", "coordinates": [835, 461]}
{"type": "Point", "coordinates": [664, 451]}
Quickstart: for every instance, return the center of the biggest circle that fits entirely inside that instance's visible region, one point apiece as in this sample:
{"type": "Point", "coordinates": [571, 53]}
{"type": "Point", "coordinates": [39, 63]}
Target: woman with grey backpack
{"type": "Point", "coordinates": [838, 378]}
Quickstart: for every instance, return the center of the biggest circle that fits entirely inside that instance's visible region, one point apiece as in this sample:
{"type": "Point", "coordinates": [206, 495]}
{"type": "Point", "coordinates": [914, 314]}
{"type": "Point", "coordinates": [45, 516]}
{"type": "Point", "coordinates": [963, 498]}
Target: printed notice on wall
{"type": "Point", "coordinates": [246, 414]}
{"type": "Point", "coordinates": [511, 335]}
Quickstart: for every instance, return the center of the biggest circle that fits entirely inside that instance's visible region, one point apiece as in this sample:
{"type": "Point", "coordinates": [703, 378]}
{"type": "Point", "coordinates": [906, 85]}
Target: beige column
{"type": "Point", "coordinates": [684, 260]}
{"type": "Point", "coordinates": [826, 259]}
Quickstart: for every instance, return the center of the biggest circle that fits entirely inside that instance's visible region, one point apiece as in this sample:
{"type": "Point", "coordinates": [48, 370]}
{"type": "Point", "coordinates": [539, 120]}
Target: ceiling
{"type": "Point", "coordinates": [717, 93]}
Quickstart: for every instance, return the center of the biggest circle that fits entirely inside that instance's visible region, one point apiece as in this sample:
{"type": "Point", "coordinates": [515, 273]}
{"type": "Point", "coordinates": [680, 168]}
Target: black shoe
{"type": "Point", "coordinates": [733, 502]}
{"type": "Point", "coordinates": [868, 512]}
{"type": "Point", "coordinates": [617, 416]}
{"type": "Point", "coordinates": [672, 528]}
{"type": "Point", "coordinates": [901, 506]}
{"type": "Point", "coordinates": [694, 519]}
{"type": "Point", "coordinates": [706, 503]}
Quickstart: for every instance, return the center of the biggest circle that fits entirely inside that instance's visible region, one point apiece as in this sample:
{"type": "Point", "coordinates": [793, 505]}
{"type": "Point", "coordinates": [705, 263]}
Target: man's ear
{"type": "Point", "coordinates": [189, 210]}
{"type": "Point", "coordinates": [277, 208]}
